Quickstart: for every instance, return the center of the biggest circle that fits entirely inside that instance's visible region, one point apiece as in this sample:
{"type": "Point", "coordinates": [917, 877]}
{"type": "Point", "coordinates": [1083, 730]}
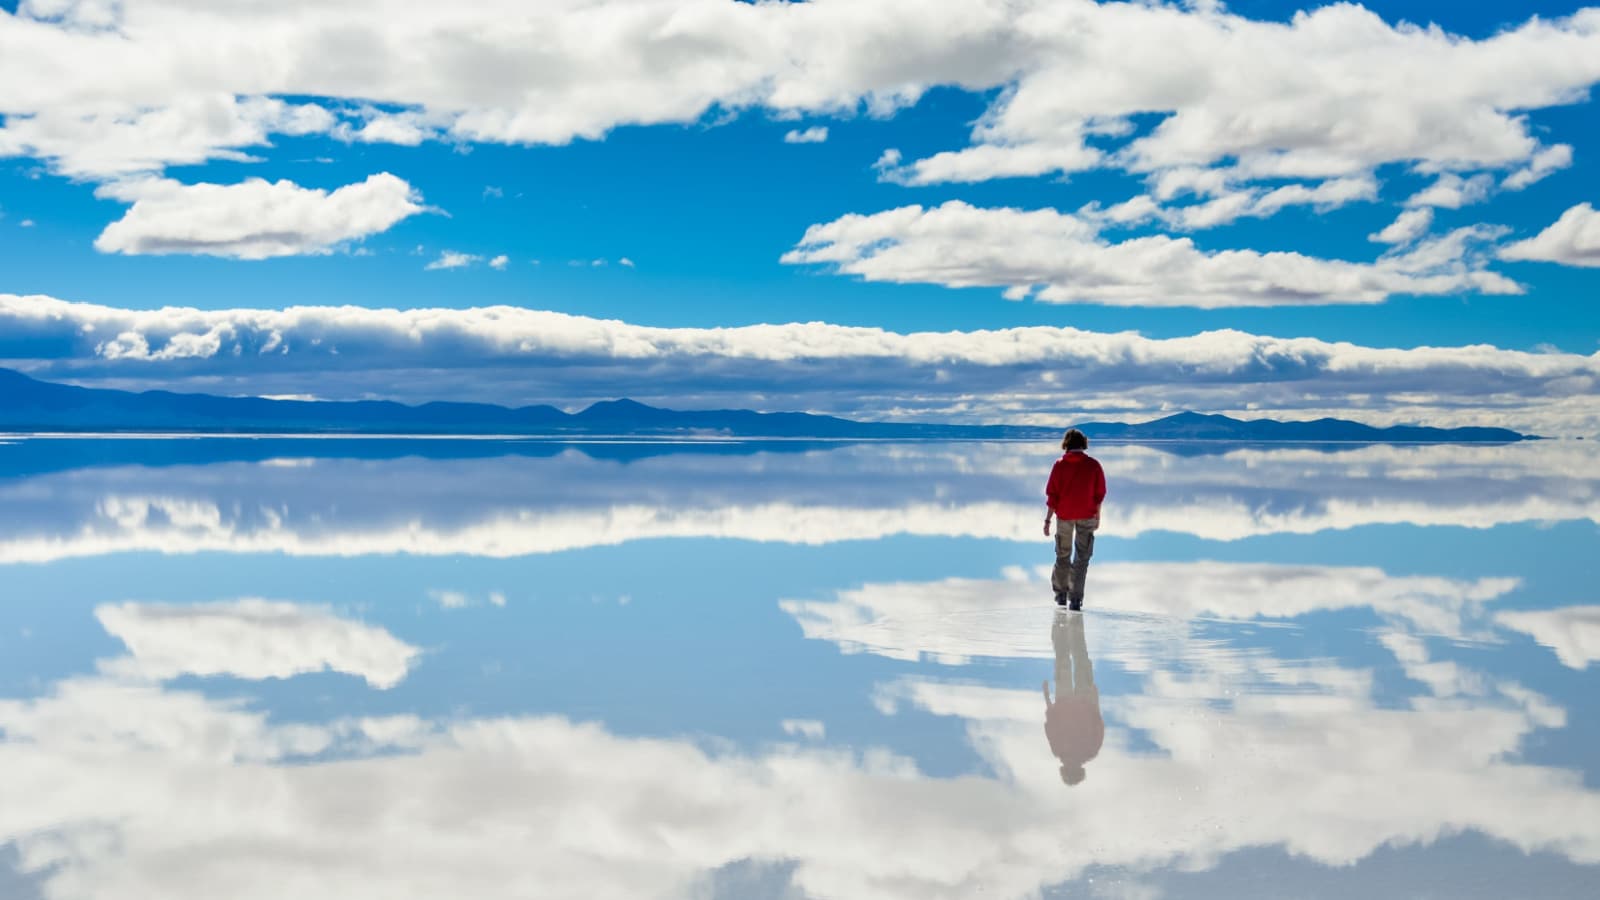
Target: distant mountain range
{"type": "Point", "coordinates": [1192, 426]}
{"type": "Point", "coordinates": [28, 405]}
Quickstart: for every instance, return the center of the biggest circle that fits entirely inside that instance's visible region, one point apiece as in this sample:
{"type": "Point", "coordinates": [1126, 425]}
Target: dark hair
{"type": "Point", "coordinates": [1074, 440]}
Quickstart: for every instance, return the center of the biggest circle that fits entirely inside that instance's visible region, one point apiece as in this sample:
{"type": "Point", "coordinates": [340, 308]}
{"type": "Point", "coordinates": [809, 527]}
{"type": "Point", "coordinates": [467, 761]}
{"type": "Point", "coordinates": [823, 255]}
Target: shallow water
{"type": "Point", "coordinates": [392, 669]}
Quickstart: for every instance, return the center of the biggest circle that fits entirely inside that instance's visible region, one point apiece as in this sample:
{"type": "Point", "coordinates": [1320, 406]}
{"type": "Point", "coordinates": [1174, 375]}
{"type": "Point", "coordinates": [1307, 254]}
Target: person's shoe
{"type": "Point", "coordinates": [1076, 606]}
{"type": "Point", "coordinates": [1061, 599]}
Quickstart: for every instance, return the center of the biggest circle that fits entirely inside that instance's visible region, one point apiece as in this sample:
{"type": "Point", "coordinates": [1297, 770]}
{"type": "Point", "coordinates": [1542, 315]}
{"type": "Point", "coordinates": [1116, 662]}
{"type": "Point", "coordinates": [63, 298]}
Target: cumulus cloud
{"type": "Point", "coordinates": [816, 134]}
{"type": "Point", "coordinates": [1573, 240]}
{"type": "Point", "coordinates": [1220, 200]}
{"type": "Point", "coordinates": [1407, 227]}
{"type": "Point", "coordinates": [100, 140]}
{"type": "Point", "coordinates": [374, 126]}
{"type": "Point", "coordinates": [810, 729]}
{"type": "Point", "coordinates": [1545, 162]}
{"type": "Point", "coordinates": [1058, 257]}
{"type": "Point", "coordinates": [1451, 191]}
{"type": "Point", "coordinates": [1332, 92]}
{"type": "Point", "coordinates": [451, 259]}
{"type": "Point", "coordinates": [500, 262]}
{"type": "Point", "coordinates": [253, 219]}
{"type": "Point", "coordinates": [253, 639]}
{"type": "Point", "coordinates": [449, 599]}
{"type": "Point", "coordinates": [516, 355]}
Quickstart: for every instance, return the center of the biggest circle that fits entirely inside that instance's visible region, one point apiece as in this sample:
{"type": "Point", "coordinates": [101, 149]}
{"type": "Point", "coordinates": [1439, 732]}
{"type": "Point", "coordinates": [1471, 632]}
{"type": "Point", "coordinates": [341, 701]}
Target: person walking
{"type": "Point", "coordinates": [1073, 494]}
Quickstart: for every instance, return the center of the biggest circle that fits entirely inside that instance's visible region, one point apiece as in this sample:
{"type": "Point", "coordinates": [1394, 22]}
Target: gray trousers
{"type": "Point", "coordinates": [1074, 546]}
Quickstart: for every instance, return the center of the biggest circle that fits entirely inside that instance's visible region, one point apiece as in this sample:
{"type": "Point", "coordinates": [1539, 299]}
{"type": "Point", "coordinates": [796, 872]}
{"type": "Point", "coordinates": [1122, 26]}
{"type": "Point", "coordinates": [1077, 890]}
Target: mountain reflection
{"type": "Point", "coordinates": [561, 499]}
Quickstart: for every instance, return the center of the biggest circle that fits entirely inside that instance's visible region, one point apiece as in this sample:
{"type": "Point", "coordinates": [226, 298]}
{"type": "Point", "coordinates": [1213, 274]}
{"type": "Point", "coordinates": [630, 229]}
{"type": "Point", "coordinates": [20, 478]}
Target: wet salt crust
{"type": "Point", "coordinates": [413, 669]}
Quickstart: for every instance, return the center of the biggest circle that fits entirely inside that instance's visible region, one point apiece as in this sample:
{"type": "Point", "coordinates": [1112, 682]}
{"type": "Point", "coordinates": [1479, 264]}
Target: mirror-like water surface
{"type": "Point", "coordinates": [389, 669]}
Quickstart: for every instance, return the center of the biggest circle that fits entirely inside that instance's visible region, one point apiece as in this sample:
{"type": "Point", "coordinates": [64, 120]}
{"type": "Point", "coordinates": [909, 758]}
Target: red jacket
{"type": "Point", "coordinates": [1077, 485]}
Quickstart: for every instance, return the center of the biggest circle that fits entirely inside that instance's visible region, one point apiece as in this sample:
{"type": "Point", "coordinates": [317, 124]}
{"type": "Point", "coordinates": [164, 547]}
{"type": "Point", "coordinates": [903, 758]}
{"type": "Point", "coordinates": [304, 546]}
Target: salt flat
{"type": "Point", "coordinates": [796, 670]}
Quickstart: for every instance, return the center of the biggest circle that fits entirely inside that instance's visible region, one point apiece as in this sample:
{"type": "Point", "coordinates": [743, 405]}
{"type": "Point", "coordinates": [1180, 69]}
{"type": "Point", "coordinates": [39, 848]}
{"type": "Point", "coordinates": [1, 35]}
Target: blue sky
{"type": "Point", "coordinates": [625, 163]}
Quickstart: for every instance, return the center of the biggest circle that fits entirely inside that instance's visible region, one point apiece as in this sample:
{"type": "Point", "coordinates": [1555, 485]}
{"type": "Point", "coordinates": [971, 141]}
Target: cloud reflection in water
{"type": "Point", "coordinates": [509, 506]}
{"type": "Point", "coordinates": [117, 786]}
{"type": "Point", "coordinates": [141, 777]}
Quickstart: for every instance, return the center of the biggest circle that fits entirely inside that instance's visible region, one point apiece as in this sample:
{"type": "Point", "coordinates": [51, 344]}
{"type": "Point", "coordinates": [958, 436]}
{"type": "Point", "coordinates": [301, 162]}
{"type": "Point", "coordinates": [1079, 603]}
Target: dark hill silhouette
{"type": "Point", "coordinates": [1201, 427]}
{"type": "Point", "coordinates": [27, 404]}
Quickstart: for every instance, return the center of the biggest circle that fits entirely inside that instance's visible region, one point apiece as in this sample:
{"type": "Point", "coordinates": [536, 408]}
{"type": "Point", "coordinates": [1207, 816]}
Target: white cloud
{"type": "Point", "coordinates": [625, 262]}
{"type": "Point", "coordinates": [1451, 191]}
{"type": "Point", "coordinates": [1545, 162]}
{"type": "Point", "coordinates": [1332, 92]}
{"type": "Point", "coordinates": [1224, 201]}
{"type": "Point", "coordinates": [517, 355]}
{"type": "Point", "coordinates": [1407, 227]}
{"type": "Point", "coordinates": [378, 127]}
{"type": "Point", "coordinates": [26, 223]}
{"type": "Point", "coordinates": [987, 161]}
{"type": "Point", "coordinates": [250, 638]}
{"type": "Point", "coordinates": [1573, 240]}
{"type": "Point", "coordinates": [1133, 211]}
{"type": "Point", "coordinates": [1573, 632]}
{"type": "Point", "coordinates": [449, 599]}
{"type": "Point", "coordinates": [1326, 195]}
{"type": "Point", "coordinates": [102, 141]}
{"type": "Point", "coordinates": [500, 262]}
{"type": "Point", "coordinates": [253, 219]}
{"type": "Point", "coordinates": [1061, 258]}
{"type": "Point", "coordinates": [450, 259]}
{"type": "Point", "coordinates": [810, 729]}
{"type": "Point", "coordinates": [816, 134]}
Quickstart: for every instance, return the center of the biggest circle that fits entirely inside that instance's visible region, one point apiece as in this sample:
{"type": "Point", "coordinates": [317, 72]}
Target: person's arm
{"type": "Point", "coordinates": [1051, 490]}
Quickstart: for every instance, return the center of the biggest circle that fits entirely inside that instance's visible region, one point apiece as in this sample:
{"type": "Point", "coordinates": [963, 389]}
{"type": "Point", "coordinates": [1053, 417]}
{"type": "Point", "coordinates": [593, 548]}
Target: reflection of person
{"type": "Point", "coordinates": [1072, 721]}
{"type": "Point", "coordinates": [1077, 485]}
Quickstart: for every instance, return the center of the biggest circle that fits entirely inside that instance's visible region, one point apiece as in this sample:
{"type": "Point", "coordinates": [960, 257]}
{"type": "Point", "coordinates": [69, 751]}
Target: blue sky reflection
{"type": "Point", "coordinates": [847, 708]}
